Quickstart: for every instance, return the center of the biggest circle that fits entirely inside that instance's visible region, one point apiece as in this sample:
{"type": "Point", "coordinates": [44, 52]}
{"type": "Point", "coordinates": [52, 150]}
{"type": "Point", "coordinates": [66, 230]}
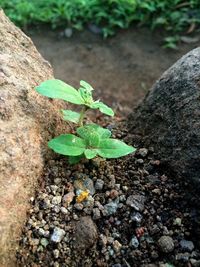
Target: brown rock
{"type": "Point", "coordinates": [85, 234]}
{"type": "Point", "coordinates": [27, 122]}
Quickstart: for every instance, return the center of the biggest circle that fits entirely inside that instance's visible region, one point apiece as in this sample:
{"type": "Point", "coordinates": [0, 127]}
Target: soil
{"type": "Point", "coordinates": [121, 68]}
{"type": "Point", "coordinates": [135, 214]}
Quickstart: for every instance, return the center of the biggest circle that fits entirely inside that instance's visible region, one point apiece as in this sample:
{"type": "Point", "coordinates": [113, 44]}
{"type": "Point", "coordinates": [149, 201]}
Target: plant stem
{"type": "Point", "coordinates": [82, 114]}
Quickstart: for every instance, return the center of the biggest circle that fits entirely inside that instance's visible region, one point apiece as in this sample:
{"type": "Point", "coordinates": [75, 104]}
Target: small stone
{"type": "Point", "coordinates": [64, 210]}
{"type": "Point", "coordinates": [117, 246]}
{"type": "Point", "coordinates": [117, 265]}
{"type": "Point", "coordinates": [156, 191]}
{"type": "Point", "coordinates": [178, 222]}
{"type": "Point", "coordinates": [134, 242]}
{"type": "Point", "coordinates": [57, 235]}
{"type": "Point", "coordinates": [125, 188]}
{"type": "Point", "coordinates": [110, 208]}
{"type": "Point", "coordinates": [57, 181]}
{"type": "Point", "coordinates": [184, 257]}
{"type": "Point", "coordinates": [139, 161]}
{"type": "Point", "coordinates": [44, 242]}
{"type": "Point", "coordinates": [186, 245]}
{"type": "Point", "coordinates": [56, 253]}
{"type": "Point", "coordinates": [34, 242]}
{"type": "Point", "coordinates": [166, 244]}
{"type": "Point", "coordinates": [113, 194]}
{"type": "Point", "coordinates": [89, 185]}
{"type": "Point", "coordinates": [78, 206]}
{"type": "Point", "coordinates": [68, 32]}
{"type": "Point", "coordinates": [99, 184]}
{"type": "Point", "coordinates": [195, 263]}
{"type": "Point", "coordinates": [136, 217]}
{"type": "Point", "coordinates": [103, 239]}
{"type": "Point", "coordinates": [68, 198]}
{"type": "Point", "coordinates": [96, 214]}
{"type": "Point", "coordinates": [136, 202]}
{"type": "Point", "coordinates": [142, 152]}
{"type": "Point", "coordinates": [56, 200]}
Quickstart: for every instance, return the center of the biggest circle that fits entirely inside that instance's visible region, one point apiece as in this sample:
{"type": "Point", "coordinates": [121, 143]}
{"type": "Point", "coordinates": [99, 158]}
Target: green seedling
{"type": "Point", "coordinates": [91, 140]}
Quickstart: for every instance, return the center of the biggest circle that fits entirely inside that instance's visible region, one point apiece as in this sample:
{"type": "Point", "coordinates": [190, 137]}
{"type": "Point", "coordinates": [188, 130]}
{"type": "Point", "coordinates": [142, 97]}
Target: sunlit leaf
{"type": "Point", "coordinates": [112, 148]}
{"type": "Point", "coordinates": [103, 108]}
{"type": "Point", "coordinates": [90, 135]}
{"type": "Point", "coordinates": [86, 86]}
{"type": "Point", "coordinates": [90, 153]}
{"type": "Point", "coordinates": [67, 144]}
{"type": "Point", "coordinates": [60, 90]}
{"type": "Point", "coordinates": [70, 115]}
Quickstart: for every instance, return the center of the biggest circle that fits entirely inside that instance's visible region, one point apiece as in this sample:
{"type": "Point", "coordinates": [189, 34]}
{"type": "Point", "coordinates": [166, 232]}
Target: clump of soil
{"type": "Point", "coordinates": [134, 215]}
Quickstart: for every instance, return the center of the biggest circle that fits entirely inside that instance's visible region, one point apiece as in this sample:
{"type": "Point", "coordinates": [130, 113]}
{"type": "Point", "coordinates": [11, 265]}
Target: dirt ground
{"type": "Point", "coordinates": [121, 68]}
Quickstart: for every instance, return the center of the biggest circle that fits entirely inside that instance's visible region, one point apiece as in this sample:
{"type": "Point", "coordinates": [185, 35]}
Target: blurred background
{"type": "Point", "coordinates": [119, 46]}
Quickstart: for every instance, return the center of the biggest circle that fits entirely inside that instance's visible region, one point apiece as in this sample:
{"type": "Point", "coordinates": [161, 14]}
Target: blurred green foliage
{"type": "Point", "coordinates": [171, 15]}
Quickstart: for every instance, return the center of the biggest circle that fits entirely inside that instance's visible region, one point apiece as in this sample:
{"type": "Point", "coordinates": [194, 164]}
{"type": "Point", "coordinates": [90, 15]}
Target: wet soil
{"type": "Point", "coordinates": [121, 68]}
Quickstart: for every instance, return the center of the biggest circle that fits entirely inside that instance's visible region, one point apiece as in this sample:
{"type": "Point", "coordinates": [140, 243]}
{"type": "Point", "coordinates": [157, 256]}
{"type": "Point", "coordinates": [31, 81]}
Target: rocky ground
{"type": "Point", "coordinates": [119, 213]}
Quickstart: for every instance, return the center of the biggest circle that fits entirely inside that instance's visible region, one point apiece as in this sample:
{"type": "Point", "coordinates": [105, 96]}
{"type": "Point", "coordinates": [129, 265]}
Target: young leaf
{"type": "Point", "coordinates": [90, 153]}
{"type": "Point", "coordinates": [75, 159]}
{"type": "Point", "coordinates": [86, 86]}
{"type": "Point", "coordinates": [102, 132]}
{"type": "Point", "coordinates": [102, 107]}
{"type": "Point", "coordinates": [89, 134]}
{"type": "Point", "coordinates": [60, 90]}
{"type": "Point", "coordinates": [70, 115]}
{"type": "Point", "coordinates": [67, 144]}
{"type": "Point", "coordinates": [112, 148]}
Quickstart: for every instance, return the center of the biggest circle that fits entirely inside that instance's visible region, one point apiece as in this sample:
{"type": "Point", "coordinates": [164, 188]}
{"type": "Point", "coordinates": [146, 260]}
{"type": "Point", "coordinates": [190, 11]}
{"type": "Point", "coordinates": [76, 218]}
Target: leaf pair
{"type": "Point", "coordinates": [94, 140]}
{"type": "Point", "coordinates": [60, 90]}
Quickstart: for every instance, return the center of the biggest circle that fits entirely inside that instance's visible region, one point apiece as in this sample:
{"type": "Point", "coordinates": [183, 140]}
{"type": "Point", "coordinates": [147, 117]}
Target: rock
{"type": "Point", "coordinates": [136, 202]}
{"type": "Point", "coordinates": [134, 242]}
{"type": "Point", "coordinates": [168, 118]}
{"type": "Point", "coordinates": [68, 198]}
{"type": "Point", "coordinates": [85, 233]}
{"type": "Point", "coordinates": [117, 246]}
{"type": "Point", "coordinates": [56, 253]}
{"type": "Point", "coordinates": [186, 245]}
{"type": "Point", "coordinates": [27, 121]}
{"type": "Point", "coordinates": [136, 217]}
{"type": "Point", "coordinates": [166, 244]}
{"type": "Point", "coordinates": [99, 184]}
{"type": "Point", "coordinates": [110, 208]}
{"type": "Point", "coordinates": [78, 206]}
{"type": "Point", "coordinates": [44, 242]}
{"type": "Point", "coordinates": [56, 200]}
{"type": "Point", "coordinates": [142, 152]}
{"type": "Point", "coordinates": [96, 214]}
{"type": "Point", "coordinates": [183, 257]}
{"type": "Point", "coordinates": [68, 32]}
{"type": "Point", "coordinates": [89, 185]}
{"type": "Point", "coordinates": [57, 235]}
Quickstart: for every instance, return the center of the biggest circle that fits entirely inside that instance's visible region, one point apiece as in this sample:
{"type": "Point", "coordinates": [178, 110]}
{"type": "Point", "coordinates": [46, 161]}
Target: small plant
{"type": "Point", "coordinates": [91, 140]}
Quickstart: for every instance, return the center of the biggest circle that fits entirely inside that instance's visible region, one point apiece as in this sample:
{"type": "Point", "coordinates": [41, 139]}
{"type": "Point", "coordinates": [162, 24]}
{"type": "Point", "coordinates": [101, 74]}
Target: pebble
{"type": "Point", "coordinates": [136, 217]}
{"type": "Point", "coordinates": [44, 242]}
{"type": "Point", "coordinates": [99, 184]}
{"type": "Point", "coordinates": [68, 198]}
{"type": "Point", "coordinates": [136, 202]}
{"type": "Point", "coordinates": [184, 257]}
{"type": "Point", "coordinates": [68, 32]}
{"type": "Point", "coordinates": [110, 208]}
{"type": "Point", "coordinates": [56, 200]}
{"type": "Point", "coordinates": [134, 242]}
{"type": "Point", "coordinates": [186, 245]}
{"type": "Point", "coordinates": [64, 210]}
{"type": "Point", "coordinates": [117, 246]}
{"type": "Point", "coordinates": [57, 235]}
{"type": "Point", "coordinates": [142, 152]}
{"type": "Point", "coordinates": [96, 214]}
{"type": "Point", "coordinates": [89, 184]}
{"type": "Point", "coordinates": [166, 244]}
{"type": "Point", "coordinates": [78, 206]}
{"type": "Point", "coordinates": [56, 253]}
{"type": "Point", "coordinates": [178, 222]}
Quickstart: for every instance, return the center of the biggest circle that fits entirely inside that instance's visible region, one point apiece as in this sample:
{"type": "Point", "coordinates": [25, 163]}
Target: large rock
{"type": "Point", "coordinates": [27, 121]}
{"type": "Point", "coordinates": [169, 117]}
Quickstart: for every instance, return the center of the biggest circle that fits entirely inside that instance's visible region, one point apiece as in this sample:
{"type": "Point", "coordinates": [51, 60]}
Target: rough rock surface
{"type": "Point", "coordinates": [169, 117]}
{"type": "Point", "coordinates": [27, 121]}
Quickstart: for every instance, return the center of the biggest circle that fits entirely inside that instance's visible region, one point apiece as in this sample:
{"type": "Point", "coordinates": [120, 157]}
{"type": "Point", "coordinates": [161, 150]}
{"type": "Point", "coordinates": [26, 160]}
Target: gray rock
{"type": "Point", "coordinates": [68, 32]}
{"type": "Point", "coordinates": [89, 184]}
{"type": "Point", "coordinates": [99, 184]}
{"type": "Point", "coordinates": [136, 202]}
{"type": "Point", "coordinates": [168, 118]}
{"type": "Point", "coordinates": [96, 214]}
{"type": "Point", "coordinates": [134, 242]}
{"type": "Point", "coordinates": [136, 217]}
{"type": "Point", "coordinates": [166, 244]}
{"type": "Point", "coordinates": [183, 257]}
{"type": "Point", "coordinates": [85, 233]}
{"type": "Point", "coordinates": [110, 208]}
{"type": "Point", "coordinates": [78, 206]}
{"type": "Point", "coordinates": [186, 245]}
{"type": "Point", "coordinates": [56, 253]}
{"type": "Point", "coordinates": [142, 152]}
{"type": "Point", "coordinates": [57, 235]}
{"type": "Point", "coordinates": [44, 242]}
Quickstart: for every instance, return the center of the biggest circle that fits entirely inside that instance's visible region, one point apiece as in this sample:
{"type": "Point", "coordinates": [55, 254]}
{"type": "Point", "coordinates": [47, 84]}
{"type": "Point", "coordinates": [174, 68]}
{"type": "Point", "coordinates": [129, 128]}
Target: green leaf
{"type": "Point", "coordinates": [86, 86]}
{"type": "Point", "coordinates": [60, 90]}
{"type": "Point", "coordinates": [67, 144]}
{"type": "Point", "coordinates": [89, 134]}
{"type": "Point", "coordinates": [102, 107]}
{"type": "Point", "coordinates": [75, 159]}
{"type": "Point", "coordinates": [90, 153]}
{"type": "Point", "coordinates": [70, 115]}
{"type": "Point", "coordinates": [112, 148]}
{"type": "Point", "coordinates": [102, 132]}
